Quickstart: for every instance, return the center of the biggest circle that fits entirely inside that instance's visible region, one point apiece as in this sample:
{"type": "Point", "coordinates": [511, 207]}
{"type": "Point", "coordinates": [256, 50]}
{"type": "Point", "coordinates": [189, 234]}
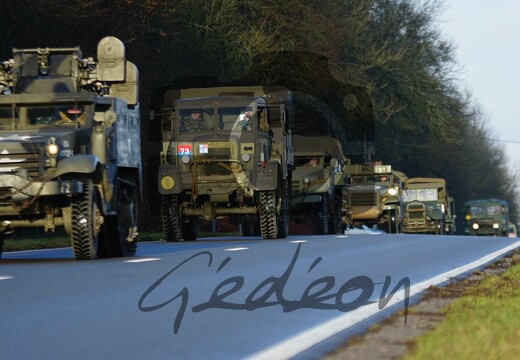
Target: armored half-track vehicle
{"type": "Point", "coordinates": [428, 207]}
{"type": "Point", "coordinates": [70, 146]}
{"type": "Point", "coordinates": [486, 217]}
{"type": "Point", "coordinates": [227, 151]}
{"type": "Point", "coordinates": [318, 181]}
{"type": "Point", "coordinates": [373, 196]}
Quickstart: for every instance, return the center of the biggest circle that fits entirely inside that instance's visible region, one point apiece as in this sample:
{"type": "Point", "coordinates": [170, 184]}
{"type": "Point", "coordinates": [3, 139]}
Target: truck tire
{"type": "Point", "coordinates": [283, 213]}
{"type": "Point", "coordinates": [250, 226]}
{"type": "Point", "coordinates": [170, 218]}
{"type": "Point", "coordinates": [86, 222]}
{"type": "Point", "coordinates": [119, 229]}
{"type": "Point", "coordinates": [335, 224]}
{"type": "Point", "coordinates": [268, 220]}
{"type": "Point", "coordinates": [321, 216]}
{"type": "Point", "coordinates": [190, 229]}
{"type": "Point", "coordinates": [1, 245]}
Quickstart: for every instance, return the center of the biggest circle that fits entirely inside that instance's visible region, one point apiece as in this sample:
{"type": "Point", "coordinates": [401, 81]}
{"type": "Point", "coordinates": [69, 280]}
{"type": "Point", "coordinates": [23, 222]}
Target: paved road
{"type": "Point", "coordinates": [222, 298]}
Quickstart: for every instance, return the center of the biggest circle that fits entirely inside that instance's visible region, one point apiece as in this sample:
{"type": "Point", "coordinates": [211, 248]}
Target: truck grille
{"type": "Point", "coordinates": [416, 211]}
{"type": "Point", "coordinates": [14, 162]}
{"type": "Point", "coordinates": [359, 199]}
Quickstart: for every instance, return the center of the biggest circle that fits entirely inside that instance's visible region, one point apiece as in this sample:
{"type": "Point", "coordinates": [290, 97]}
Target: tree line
{"type": "Point", "coordinates": [375, 71]}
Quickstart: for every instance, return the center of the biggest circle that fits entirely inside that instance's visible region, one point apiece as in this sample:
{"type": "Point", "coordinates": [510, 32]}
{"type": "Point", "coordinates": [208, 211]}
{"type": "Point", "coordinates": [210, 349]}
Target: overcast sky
{"type": "Point", "coordinates": [485, 34]}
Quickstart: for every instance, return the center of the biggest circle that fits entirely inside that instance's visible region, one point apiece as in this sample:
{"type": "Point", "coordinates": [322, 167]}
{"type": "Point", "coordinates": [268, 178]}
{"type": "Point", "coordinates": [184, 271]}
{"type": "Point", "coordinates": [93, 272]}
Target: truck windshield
{"type": "Point", "coordinates": [483, 211]}
{"type": "Point", "coordinates": [21, 117]}
{"type": "Point", "coordinates": [222, 118]}
{"type": "Point", "coordinates": [420, 195]}
{"type": "Point", "coordinates": [56, 115]}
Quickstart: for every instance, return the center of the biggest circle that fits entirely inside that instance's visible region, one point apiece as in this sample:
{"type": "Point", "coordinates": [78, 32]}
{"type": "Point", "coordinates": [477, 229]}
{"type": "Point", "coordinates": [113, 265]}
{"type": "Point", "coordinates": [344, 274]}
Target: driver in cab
{"type": "Point", "coordinates": [196, 122]}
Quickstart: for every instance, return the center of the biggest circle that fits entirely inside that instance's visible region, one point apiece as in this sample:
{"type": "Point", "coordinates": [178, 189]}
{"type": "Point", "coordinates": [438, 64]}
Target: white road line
{"type": "Point", "coordinates": [306, 339]}
{"type": "Point", "coordinates": [297, 241]}
{"type": "Point", "coordinates": [236, 249]}
{"type": "Point", "coordinates": [5, 277]}
{"type": "Point", "coordinates": [142, 260]}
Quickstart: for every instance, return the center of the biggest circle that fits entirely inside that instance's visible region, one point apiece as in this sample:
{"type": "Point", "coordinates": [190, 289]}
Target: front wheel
{"type": "Point", "coordinates": [268, 221]}
{"type": "Point", "coordinates": [321, 216]}
{"type": "Point", "coordinates": [171, 218]}
{"type": "Point", "coordinates": [87, 221]}
{"type": "Point", "coordinates": [283, 212]}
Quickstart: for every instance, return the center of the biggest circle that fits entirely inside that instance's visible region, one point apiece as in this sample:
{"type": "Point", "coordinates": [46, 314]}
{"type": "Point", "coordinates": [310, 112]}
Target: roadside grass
{"type": "Point", "coordinates": [51, 242]}
{"type": "Point", "coordinates": [35, 243]}
{"type": "Point", "coordinates": [482, 324]}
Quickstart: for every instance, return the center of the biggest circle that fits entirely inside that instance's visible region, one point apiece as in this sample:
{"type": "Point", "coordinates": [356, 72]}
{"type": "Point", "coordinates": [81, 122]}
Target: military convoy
{"type": "Point", "coordinates": [318, 182]}
{"type": "Point", "coordinates": [234, 157]}
{"type": "Point", "coordinates": [487, 217]}
{"type": "Point", "coordinates": [427, 207]}
{"type": "Point", "coordinates": [373, 196]}
{"type": "Point", "coordinates": [70, 146]}
{"type": "Point", "coordinates": [70, 157]}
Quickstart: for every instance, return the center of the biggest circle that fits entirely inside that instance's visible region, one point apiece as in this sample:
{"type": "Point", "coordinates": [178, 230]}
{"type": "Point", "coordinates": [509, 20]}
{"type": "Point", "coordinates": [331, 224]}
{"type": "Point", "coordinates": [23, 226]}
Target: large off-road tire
{"type": "Point", "coordinates": [321, 216]}
{"type": "Point", "coordinates": [250, 226]}
{"type": "Point", "coordinates": [121, 230]}
{"type": "Point", "coordinates": [170, 218]}
{"type": "Point", "coordinates": [283, 211]}
{"type": "Point", "coordinates": [87, 222]}
{"type": "Point", "coordinates": [439, 227]}
{"type": "Point", "coordinates": [335, 224]}
{"type": "Point", "coordinates": [189, 229]}
{"type": "Point", "coordinates": [268, 218]}
{"type": "Point", "coordinates": [1, 245]}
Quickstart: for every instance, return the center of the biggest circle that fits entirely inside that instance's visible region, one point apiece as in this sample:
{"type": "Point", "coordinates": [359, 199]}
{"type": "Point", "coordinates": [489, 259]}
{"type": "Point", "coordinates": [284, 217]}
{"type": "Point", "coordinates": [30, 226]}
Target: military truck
{"type": "Point", "coordinates": [486, 217]}
{"type": "Point", "coordinates": [70, 146]}
{"type": "Point", "coordinates": [318, 181]}
{"type": "Point", "coordinates": [227, 151]}
{"type": "Point", "coordinates": [373, 196]}
{"type": "Point", "coordinates": [428, 207]}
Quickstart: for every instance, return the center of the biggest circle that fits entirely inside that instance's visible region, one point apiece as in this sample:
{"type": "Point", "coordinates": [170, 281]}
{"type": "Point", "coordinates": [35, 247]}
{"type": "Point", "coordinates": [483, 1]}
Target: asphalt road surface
{"type": "Point", "coordinates": [222, 298]}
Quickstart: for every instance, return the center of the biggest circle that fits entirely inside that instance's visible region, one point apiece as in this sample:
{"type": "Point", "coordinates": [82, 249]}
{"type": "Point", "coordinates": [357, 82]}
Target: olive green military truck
{"type": "Point", "coordinates": [227, 151]}
{"type": "Point", "coordinates": [373, 196]}
{"type": "Point", "coordinates": [318, 181]}
{"type": "Point", "coordinates": [486, 217]}
{"type": "Point", "coordinates": [428, 207]}
{"type": "Point", "coordinates": [70, 146]}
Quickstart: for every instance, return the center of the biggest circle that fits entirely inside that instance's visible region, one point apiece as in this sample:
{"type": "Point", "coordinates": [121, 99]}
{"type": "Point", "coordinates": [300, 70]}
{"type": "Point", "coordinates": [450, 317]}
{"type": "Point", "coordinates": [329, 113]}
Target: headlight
{"type": "Point", "coordinates": [246, 157]}
{"type": "Point", "coordinates": [474, 226]}
{"type": "Point", "coordinates": [52, 149]}
{"type": "Point", "coordinates": [468, 217]}
{"type": "Point", "coordinates": [392, 191]}
{"type": "Point", "coordinates": [496, 226]}
{"type": "Point", "coordinates": [185, 159]}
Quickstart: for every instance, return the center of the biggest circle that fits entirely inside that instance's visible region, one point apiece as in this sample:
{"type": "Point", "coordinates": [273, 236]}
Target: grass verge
{"type": "Point", "coordinates": [50, 242]}
{"type": "Point", "coordinates": [482, 324]}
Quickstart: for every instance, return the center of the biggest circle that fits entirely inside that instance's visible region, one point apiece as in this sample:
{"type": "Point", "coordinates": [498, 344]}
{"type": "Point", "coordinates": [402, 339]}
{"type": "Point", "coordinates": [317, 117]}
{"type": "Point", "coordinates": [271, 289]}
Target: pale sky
{"type": "Point", "coordinates": [485, 34]}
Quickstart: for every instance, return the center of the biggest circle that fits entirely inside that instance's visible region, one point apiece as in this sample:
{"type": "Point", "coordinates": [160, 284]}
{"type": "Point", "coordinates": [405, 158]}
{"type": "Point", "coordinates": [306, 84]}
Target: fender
{"type": "Point", "coordinates": [83, 164]}
{"type": "Point", "coordinates": [266, 178]}
{"type": "Point", "coordinates": [165, 184]}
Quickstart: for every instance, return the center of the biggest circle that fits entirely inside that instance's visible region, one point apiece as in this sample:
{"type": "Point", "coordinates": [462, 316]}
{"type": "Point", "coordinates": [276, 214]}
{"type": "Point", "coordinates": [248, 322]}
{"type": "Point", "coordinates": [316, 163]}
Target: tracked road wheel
{"type": "Point", "coordinates": [121, 230]}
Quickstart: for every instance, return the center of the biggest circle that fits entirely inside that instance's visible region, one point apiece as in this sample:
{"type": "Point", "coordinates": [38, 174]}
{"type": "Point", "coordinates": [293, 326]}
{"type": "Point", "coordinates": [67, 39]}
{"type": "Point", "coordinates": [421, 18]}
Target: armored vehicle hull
{"type": "Point", "coordinates": [70, 144]}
